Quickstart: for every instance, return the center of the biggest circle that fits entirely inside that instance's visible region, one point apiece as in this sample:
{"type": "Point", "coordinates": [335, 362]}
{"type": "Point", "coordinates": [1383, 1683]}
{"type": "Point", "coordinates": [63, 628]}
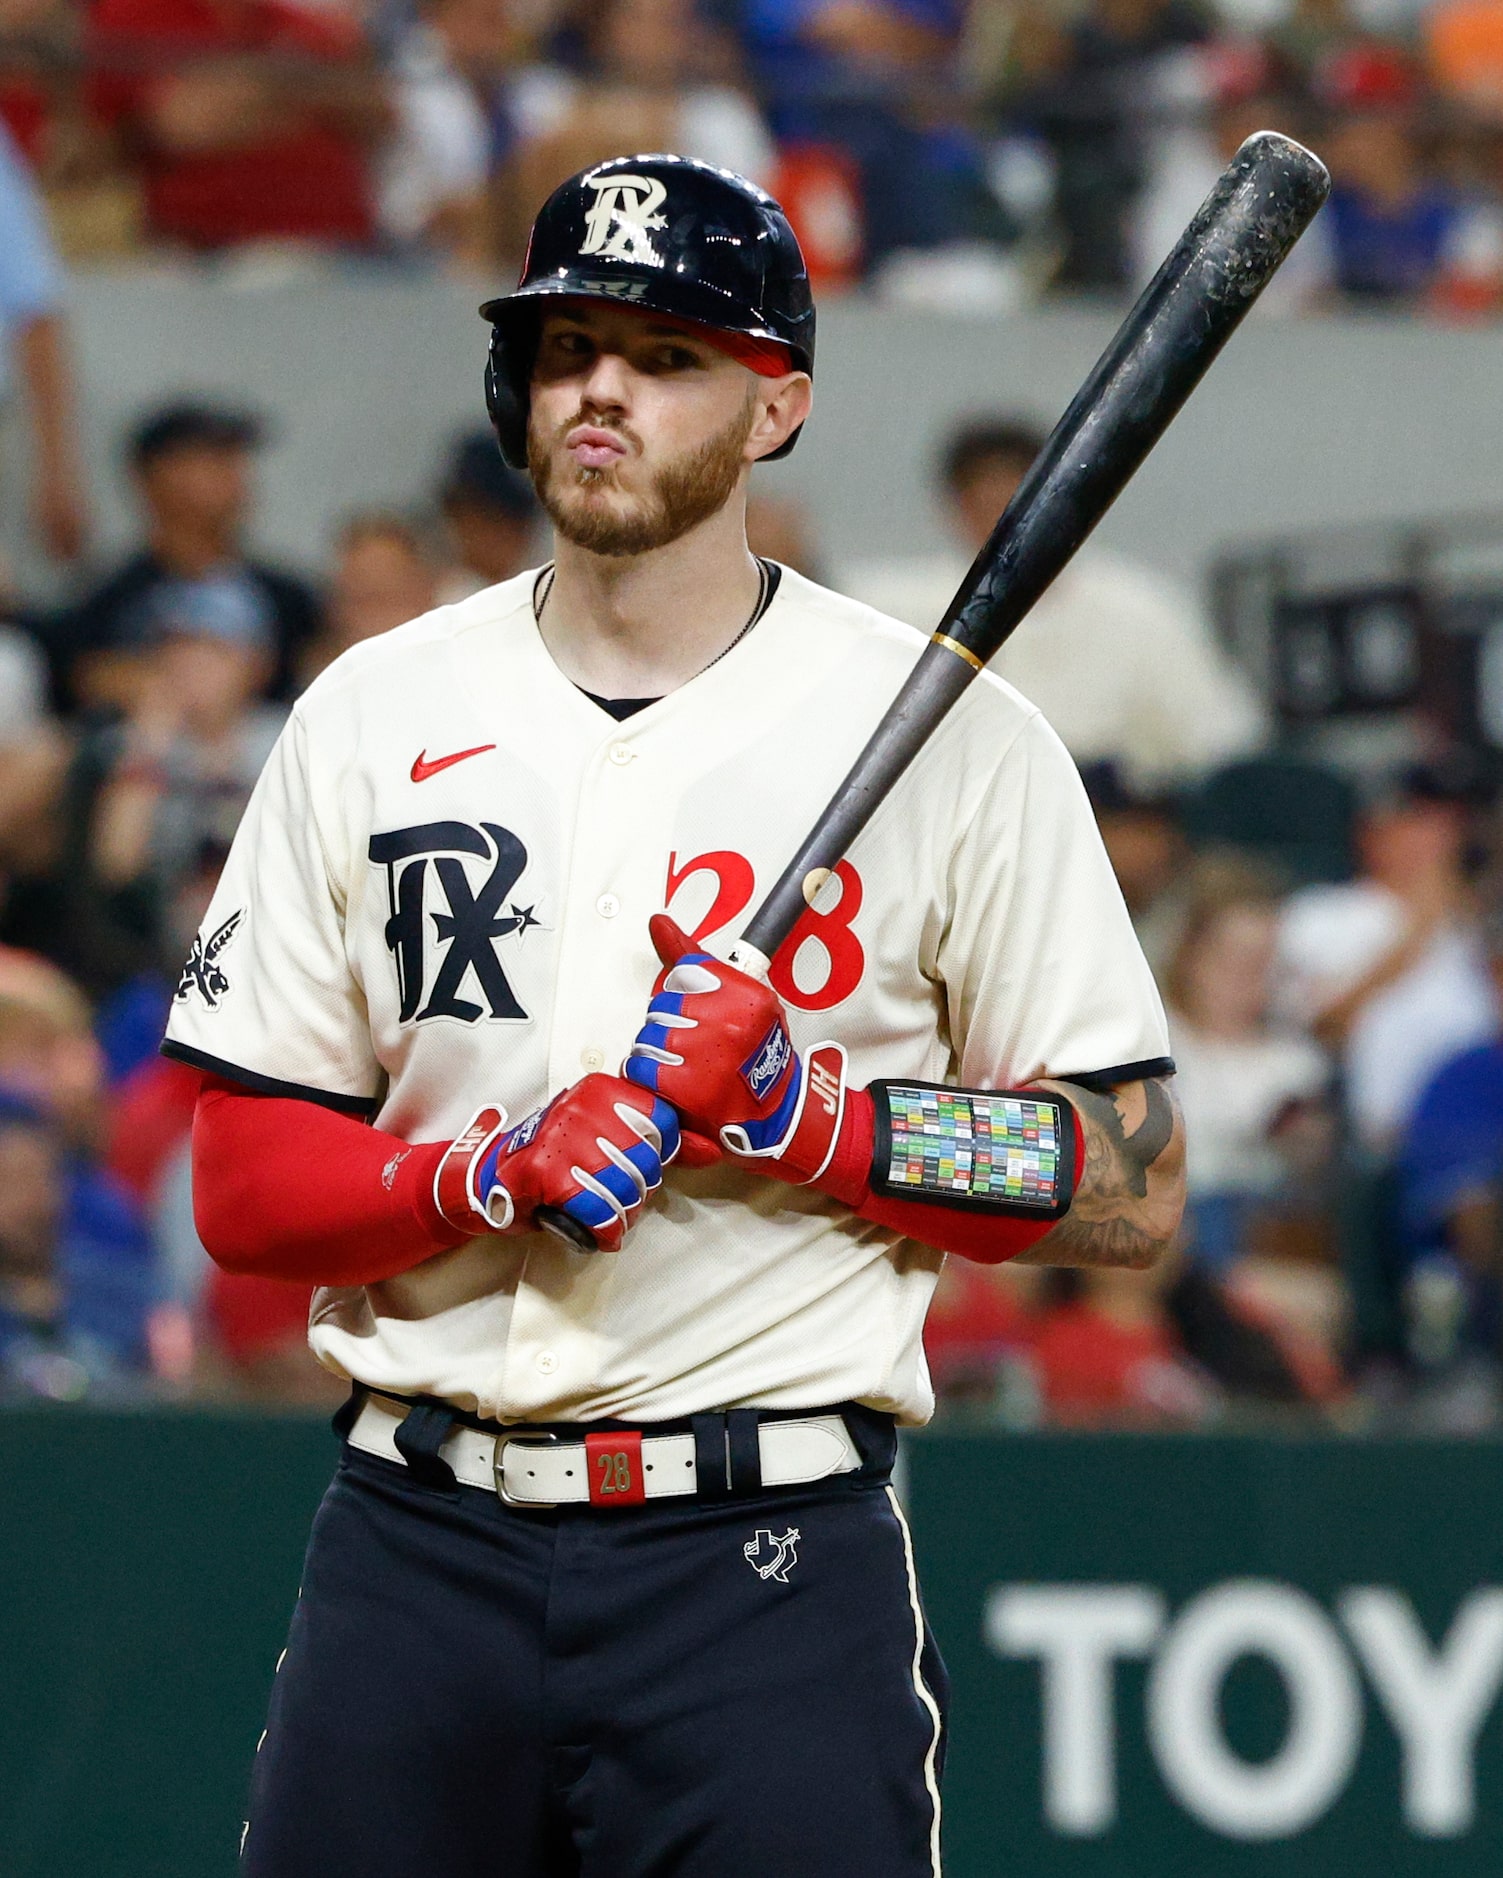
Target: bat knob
{"type": "Point", "coordinates": [555, 1220]}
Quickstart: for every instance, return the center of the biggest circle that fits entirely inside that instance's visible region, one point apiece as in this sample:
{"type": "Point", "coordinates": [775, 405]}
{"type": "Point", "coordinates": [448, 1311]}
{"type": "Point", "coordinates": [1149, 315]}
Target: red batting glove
{"type": "Point", "coordinates": [594, 1153]}
{"type": "Point", "coordinates": [716, 1046]}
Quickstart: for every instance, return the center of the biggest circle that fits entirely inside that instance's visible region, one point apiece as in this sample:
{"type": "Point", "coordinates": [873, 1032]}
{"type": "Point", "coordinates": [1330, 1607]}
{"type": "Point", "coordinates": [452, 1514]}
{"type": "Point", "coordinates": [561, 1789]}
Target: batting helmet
{"type": "Point", "coordinates": [665, 233]}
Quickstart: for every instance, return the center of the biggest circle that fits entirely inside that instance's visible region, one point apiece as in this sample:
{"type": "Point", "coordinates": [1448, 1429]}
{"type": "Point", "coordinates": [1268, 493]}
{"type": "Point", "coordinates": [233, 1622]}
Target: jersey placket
{"type": "Point", "coordinates": [605, 968]}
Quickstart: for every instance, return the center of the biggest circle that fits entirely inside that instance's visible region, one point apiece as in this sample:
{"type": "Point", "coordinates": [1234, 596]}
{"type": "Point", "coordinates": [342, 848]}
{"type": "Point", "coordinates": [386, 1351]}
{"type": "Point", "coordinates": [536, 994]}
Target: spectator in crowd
{"type": "Point", "coordinates": [48, 1051]}
{"type": "Point", "coordinates": [190, 467]}
{"type": "Point", "coordinates": [1387, 969]}
{"type": "Point", "coordinates": [34, 754]}
{"type": "Point", "coordinates": [1106, 1354]}
{"type": "Point", "coordinates": [976, 1339]}
{"type": "Point", "coordinates": [1394, 226]}
{"type": "Point", "coordinates": [875, 80]}
{"type": "Point", "coordinates": [653, 79]}
{"type": "Point", "coordinates": [34, 359]}
{"type": "Point", "coordinates": [250, 121]}
{"type": "Point", "coordinates": [73, 1315]}
{"type": "Point", "coordinates": [490, 515]}
{"type": "Point", "coordinates": [130, 1019]}
{"type": "Point", "coordinates": [1093, 99]}
{"type": "Point", "coordinates": [1451, 1198]}
{"type": "Point", "coordinates": [384, 575]}
{"type": "Point", "coordinates": [448, 94]}
{"type": "Point", "coordinates": [1093, 653]}
{"type": "Point", "coordinates": [51, 1063]}
{"type": "Point", "coordinates": [1253, 1095]}
{"type": "Point", "coordinates": [174, 774]}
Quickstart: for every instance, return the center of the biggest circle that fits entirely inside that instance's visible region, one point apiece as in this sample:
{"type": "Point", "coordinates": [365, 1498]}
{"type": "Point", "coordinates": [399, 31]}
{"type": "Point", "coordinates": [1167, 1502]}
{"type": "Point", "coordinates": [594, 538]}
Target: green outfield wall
{"type": "Point", "coordinates": [1171, 1658]}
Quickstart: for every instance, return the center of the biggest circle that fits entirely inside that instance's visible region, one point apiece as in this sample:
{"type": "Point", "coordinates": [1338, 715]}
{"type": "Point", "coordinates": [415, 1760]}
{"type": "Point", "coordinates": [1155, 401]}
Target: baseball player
{"type": "Point", "coordinates": [626, 1252]}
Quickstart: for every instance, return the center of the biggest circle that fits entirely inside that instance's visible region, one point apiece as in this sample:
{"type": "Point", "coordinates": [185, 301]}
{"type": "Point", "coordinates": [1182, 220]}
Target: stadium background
{"type": "Point", "coordinates": [1212, 1552]}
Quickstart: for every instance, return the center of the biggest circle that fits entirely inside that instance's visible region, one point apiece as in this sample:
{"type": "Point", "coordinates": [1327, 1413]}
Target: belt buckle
{"type": "Point", "coordinates": [498, 1467]}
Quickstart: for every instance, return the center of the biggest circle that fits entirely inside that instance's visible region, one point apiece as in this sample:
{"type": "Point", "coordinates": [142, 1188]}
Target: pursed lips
{"type": "Point", "coordinates": [594, 448]}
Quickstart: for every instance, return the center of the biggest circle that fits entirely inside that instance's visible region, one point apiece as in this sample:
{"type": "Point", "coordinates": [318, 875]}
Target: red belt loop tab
{"type": "Point", "coordinates": [614, 1463]}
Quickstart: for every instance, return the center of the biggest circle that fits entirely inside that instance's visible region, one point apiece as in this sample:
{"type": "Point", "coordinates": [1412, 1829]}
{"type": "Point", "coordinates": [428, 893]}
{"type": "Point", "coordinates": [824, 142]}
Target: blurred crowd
{"type": "Point", "coordinates": [947, 153]}
{"type": "Point", "coordinates": [134, 720]}
{"type": "Point", "coordinates": [1328, 941]}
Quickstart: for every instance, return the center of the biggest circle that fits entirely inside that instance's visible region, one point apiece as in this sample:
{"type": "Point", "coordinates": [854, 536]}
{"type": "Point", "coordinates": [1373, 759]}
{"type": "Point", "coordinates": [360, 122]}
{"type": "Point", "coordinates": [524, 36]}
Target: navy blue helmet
{"type": "Point", "coordinates": [664, 233]}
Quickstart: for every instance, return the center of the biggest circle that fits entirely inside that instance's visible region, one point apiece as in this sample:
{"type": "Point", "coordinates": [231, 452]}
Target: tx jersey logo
{"type": "Point", "coordinates": [624, 209]}
{"type": "Point", "coordinates": [466, 934]}
{"type": "Point", "coordinates": [203, 973]}
{"type": "Point", "coordinates": [771, 1556]}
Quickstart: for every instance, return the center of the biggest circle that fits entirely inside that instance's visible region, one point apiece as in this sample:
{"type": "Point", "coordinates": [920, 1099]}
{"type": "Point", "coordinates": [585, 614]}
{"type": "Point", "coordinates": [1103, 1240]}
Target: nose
{"type": "Point", "coordinates": [606, 384]}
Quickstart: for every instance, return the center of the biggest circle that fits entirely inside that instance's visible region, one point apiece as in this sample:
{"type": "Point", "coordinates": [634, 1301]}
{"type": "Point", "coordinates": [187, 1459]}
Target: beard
{"type": "Point", "coordinates": [685, 492]}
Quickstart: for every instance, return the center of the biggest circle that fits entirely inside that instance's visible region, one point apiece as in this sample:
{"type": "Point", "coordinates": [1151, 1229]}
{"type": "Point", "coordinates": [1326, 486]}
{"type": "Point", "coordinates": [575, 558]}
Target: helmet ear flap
{"type": "Point", "coordinates": [506, 405]}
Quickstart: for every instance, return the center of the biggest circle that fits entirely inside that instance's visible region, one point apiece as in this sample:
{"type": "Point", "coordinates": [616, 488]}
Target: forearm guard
{"type": "Point", "coordinates": [1009, 1152]}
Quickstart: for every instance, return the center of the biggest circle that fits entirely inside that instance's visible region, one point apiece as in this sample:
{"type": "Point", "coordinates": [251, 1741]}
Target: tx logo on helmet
{"type": "Point", "coordinates": [467, 931]}
{"type": "Point", "coordinates": [624, 209]}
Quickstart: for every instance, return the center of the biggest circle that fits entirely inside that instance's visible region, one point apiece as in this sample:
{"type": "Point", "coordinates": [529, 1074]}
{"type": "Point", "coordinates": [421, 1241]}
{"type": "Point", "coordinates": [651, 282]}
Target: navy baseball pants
{"type": "Point", "coordinates": [686, 1689]}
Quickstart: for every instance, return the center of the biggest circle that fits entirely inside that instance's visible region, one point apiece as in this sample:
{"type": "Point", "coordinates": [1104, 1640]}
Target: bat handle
{"type": "Point", "coordinates": [555, 1220]}
{"type": "Point", "coordinates": [746, 958]}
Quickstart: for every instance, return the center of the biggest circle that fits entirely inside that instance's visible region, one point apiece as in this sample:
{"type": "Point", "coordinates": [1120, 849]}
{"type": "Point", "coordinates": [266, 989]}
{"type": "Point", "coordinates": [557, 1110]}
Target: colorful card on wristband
{"type": "Point", "coordinates": [1005, 1152]}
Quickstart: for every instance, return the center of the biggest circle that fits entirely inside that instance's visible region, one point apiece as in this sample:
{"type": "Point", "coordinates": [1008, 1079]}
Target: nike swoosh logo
{"type": "Point", "coordinates": [422, 769]}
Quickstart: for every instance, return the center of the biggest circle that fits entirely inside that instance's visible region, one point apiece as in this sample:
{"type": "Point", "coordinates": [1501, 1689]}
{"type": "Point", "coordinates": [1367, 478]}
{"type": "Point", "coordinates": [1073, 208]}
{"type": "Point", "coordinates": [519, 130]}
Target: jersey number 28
{"type": "Point", "coordinates": [821, 961]}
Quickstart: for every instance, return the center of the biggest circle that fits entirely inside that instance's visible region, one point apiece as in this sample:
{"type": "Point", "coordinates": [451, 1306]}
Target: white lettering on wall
{"type": "Point", "coordinates": [1437, 1700]}
{"type": "Point", "coordinates": [1077, 1632]}
{"type": "Point", "coordinates": [1238, 1798]}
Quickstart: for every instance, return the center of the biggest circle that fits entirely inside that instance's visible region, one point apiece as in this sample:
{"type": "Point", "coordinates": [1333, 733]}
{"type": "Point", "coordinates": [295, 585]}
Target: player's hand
{"type": "Point", "coordinates": [594, 1153]}
{"type": "Point", "coordinates": [716, 1045]}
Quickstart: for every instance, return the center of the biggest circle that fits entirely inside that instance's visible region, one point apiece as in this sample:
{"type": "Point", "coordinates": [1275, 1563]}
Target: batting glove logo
{"type": "Point", "coordinates": [767, 1062]}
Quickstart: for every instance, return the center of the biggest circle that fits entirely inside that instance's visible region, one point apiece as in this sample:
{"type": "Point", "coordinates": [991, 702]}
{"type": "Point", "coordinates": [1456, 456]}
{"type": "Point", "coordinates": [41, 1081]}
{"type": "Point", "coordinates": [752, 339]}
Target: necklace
{"type": "Point", "coordinates": [543, 586]}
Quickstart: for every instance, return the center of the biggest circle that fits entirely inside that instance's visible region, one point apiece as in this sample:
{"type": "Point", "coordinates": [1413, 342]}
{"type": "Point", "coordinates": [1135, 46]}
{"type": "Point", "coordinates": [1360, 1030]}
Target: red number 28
{"type": "Point", "coordinates": [819, 936]}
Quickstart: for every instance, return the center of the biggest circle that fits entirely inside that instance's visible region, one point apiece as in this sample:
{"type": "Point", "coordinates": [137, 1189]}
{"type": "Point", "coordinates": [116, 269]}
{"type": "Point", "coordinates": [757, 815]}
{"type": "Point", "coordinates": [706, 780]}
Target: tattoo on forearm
{"type": "Point", "coordinates": [1133, 1153]}
{"type": "Point", "coordinates": [1128, 1195]}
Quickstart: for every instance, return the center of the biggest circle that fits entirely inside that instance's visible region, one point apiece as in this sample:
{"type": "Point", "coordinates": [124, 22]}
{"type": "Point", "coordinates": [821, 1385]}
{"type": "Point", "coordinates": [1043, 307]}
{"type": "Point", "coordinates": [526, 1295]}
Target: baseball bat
{"type": "Point", "coordinates": [1261, 205]}
{"type": "Point", "coordinates": [1263, 202]}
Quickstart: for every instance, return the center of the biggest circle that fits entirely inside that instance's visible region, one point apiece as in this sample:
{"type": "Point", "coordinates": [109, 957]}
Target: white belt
{"type": "Point", "coordinates": [530, 1468]}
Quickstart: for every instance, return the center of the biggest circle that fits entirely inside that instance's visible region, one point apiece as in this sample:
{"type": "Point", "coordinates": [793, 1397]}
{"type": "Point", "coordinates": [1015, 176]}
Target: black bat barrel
{"type": "Point", "coordinates": [1262, 204]}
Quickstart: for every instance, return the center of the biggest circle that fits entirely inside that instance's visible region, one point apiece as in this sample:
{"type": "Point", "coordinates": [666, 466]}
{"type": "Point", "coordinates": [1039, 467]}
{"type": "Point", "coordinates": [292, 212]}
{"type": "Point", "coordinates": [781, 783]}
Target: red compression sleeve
{"type": "Point", "coordinates": [987, 1238]}
{"type": "Point", "coordinates": [287, 1189]}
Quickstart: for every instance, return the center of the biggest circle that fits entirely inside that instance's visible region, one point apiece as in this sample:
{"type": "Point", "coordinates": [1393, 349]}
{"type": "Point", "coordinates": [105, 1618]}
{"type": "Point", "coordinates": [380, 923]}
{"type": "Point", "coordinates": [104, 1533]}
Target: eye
{"type": "Point", "coordinates": [568, 345]}
{"type": "Point", "coordinates": [674, 358]}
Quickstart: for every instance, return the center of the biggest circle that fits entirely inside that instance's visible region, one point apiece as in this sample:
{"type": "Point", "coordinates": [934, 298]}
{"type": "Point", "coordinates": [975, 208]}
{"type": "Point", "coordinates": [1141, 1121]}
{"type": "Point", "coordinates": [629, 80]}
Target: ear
{"type": "Point", "coordinates": [782, 406]}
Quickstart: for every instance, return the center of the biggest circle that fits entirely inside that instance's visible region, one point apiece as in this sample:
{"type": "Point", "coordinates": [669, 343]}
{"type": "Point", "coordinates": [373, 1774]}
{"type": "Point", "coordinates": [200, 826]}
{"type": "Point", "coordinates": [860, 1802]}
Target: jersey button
{"type": "Point", "coordinates": [546, 1361]}
{"type": "Point", "coordinates": [592, 1059]}
{"type": "Point", "coordinates": [622, 754]}
{"type": "Point", "coordinates": [607, 906]}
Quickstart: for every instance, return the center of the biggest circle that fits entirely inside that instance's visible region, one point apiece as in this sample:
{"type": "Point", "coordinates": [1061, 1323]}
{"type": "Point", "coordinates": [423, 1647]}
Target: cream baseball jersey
{"type": "Point", "coordinates": [439, 897]}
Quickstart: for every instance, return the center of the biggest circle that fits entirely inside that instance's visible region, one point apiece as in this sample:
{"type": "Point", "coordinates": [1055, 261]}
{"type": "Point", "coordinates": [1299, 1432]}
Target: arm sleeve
{"type": "Point", "coordinates": [286, 1189]}
{"type": "Point", "coordinates": [268, 997]}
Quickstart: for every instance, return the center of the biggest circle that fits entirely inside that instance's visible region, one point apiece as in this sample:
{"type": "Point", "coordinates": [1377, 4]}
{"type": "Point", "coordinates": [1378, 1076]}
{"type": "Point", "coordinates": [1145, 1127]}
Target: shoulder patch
{"type": "Point", "coordinates": [203, 973]}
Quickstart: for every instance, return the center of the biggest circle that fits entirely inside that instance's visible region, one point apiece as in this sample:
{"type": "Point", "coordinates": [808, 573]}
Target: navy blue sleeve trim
{"type": "Point", "coordinates": [1103, 1079]}
{"type": "Point", "coordinates": [361, 1107]}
